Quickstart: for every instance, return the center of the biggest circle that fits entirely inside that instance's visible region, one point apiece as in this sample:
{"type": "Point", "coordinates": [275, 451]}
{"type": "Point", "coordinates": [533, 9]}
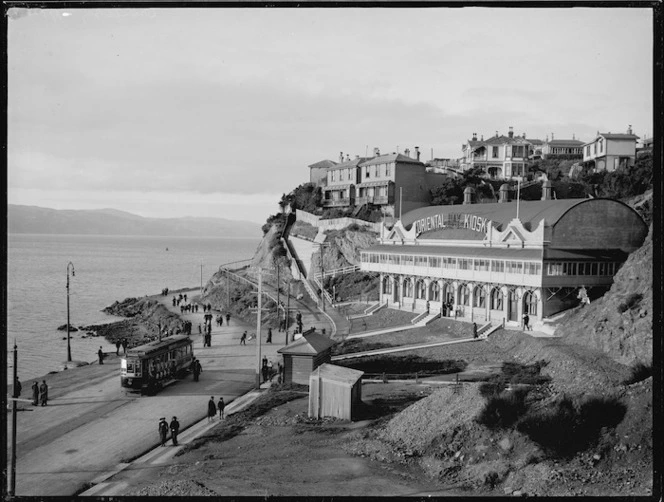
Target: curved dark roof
{"type": "Point", "coordinates": [530, 212]}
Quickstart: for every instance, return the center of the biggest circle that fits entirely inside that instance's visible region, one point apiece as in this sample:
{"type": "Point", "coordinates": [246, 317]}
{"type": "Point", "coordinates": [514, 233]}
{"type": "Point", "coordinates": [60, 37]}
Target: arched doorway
{"type": "Point", "coordinates": [530, 304]}
{"type": "Point", "coordinates": [434, 291]}
{"type": "Point", "coordinates": [512, 306]}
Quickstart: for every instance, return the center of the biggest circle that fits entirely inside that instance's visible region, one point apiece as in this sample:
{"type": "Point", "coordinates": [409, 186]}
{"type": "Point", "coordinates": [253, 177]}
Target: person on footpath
{"type": "Point", "coordinates": [280, 371]}
{"type": "Point", "coordinates": [175, 428]}
{"type": "Point", "coordinates": [264, 369]}
{"type": "Point", "coordinates": [118, 344]}
{"type": "Point", "coordinates": [124, 346]}
{"type": "Point", "coordinates": [228, 319]}
{"type": "Point", "coordinates": [43, 393]}
{"type": "Point", "coordinates": [269, 335]}
{"type": "Point", "coordinates": [196, 368]}
{"type": "Point", "coordinates": [212, 409]}
{"type": "Point", "coordinates": [474, 330]}
{"type": "Point", "coordinates": [243, 339]}
{"type": "Point", "coordinates": [35, 393]}
{"type": "Point", "coordinates": [526, 322]}
{"type": "Point", "coordinates": [270, 373]}
{"type": "Point", "coordinates": [100, 353]}
{"type": "Point", "coordinates": [221, 405]}
{"type": "Point", "coordinates": [163, 430]}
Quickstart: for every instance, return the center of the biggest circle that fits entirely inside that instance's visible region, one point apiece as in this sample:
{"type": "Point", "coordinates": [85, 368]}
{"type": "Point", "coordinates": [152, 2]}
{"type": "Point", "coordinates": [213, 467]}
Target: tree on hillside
{"type": "Point", "coordinates": [451, 190]}
{"type": "Point", "coordinates": [307, 197]}
{"type": "Point", "coordinates": [621, 183]}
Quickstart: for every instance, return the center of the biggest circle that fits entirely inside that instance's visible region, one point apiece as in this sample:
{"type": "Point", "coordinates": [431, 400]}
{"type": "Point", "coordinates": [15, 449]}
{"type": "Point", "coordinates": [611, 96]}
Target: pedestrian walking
{"type": "Point", "coordinates": [280, 371]}
{"type": "Point", "coordinates": [185, 297]}
{"type": "Point", "coordinates": [228, 319]}
{"type": "Point", "coordinates": [526, 322]}
{"type": "Point", "coordinates": [43, 393]}
{"type": "Point", "coordinates": [118, 344]}
{"type": "Point", "coordinates": [474, 330]}
{"type": "Point", "coordinates": [200, 329]}
{"type": "Point", "coordinates": [100, 353]}
{"type": "Point", "coordinates": [163, 430]}
{"type": "Point", "coordinates": [196, 368]}
{"type": "Point", "coordinates": [221, 405]}
{"type": "Point", "coordinates": [269, 335]}
{"type": "Point", "coordinates": [35, 393]}
{"type": "Point", "coordinates": [221, 320]}
{"type": "Point", "coordinates": [269, 370]}
{"type": "Point", "coordinates": [124, 345]}
{"type": "Point", "coordinates": [264, 369]}
{"type": "Point", "coordinates": [175, 428]}
{"type": "Point", "coordinates": [212, 409]}
{"type": "Point", "coordinates": [243, 339]}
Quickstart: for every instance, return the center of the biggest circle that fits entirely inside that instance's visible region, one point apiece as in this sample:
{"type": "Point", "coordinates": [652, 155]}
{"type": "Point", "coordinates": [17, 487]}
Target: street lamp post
{"type": "Point", "coordinates": [68, 339]}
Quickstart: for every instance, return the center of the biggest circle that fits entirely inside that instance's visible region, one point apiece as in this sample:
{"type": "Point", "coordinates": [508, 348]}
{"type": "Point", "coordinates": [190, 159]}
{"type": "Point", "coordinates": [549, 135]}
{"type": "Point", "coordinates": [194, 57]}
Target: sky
{"type": "Point", "coordinates": [218, 112]}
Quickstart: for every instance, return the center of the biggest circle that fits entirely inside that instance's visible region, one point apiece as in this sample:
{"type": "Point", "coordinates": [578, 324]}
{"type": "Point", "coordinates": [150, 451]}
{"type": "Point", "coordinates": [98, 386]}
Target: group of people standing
{"type": "Point", "coordinates": [39, 393]}
{"type": "Point", "coordinates": [121, 343]}
{"type": "Point", "coordinates": [213, 407]}
{"type": "Point", "coordinates": [164, 427]}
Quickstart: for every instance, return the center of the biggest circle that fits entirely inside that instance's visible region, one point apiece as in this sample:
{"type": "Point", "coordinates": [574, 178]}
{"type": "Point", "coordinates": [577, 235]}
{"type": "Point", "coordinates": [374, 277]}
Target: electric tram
{"type": "Point", "coordinates": [150, 367]}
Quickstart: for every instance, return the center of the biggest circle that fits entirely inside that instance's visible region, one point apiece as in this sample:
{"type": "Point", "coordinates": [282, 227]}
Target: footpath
{"type": "Point", "coordinates": [91, 428]}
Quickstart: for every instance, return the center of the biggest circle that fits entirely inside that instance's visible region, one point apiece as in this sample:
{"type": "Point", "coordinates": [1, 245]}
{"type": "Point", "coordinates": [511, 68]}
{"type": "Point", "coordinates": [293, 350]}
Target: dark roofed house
{"type": "Point", "coordinates": [304, 355]}
{"type": "Point", "coordinates": [318, 171]}
{"type": "Point", "coordinates": [567, 147]}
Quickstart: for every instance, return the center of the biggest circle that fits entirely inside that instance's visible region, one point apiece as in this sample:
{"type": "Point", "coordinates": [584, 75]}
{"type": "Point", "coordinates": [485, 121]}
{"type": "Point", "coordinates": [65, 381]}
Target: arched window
{"type": "Point", "coordinates": [434, 291]}
{"type": "Point", "coordinates": [408, 288]}
{"type": "Point", "coordinates": [464, 296]}
{"type": "Point", "coordinates": [420, 289]}
{"type": "Point", "coordinates": [448, 293]}
{"type": "Point", "coordinates": [387, 285]}
{"type": "Point", "coordinates": [479, 297]}
{"type": "Point", "coordinates": [530, 303]}
{"type": "Point", "coordinates": [496, 299]}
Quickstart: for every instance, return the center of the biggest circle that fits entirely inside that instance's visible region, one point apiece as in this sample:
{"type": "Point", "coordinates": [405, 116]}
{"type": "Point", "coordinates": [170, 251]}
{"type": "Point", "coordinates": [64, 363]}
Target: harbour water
{"type": "Point", "coordinates": [107, 268]}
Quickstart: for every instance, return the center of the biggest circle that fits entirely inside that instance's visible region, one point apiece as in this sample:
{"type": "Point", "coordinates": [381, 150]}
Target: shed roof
{"type": "Point", "coordinates": [323, 164]}
{"type": "Point", "coordinates": [339, 374]}
{"type": "Point", "coordinates": [392, 157]}
{"type": "Point", "coordinates": [530, 212]}
{"type": "Point", "coordinates": [310, 344]}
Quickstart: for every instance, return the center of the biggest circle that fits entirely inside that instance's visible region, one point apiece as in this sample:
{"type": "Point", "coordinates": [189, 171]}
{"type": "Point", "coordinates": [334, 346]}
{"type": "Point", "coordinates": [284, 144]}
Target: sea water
{"type": "Point", "coordinates": [106, 269]}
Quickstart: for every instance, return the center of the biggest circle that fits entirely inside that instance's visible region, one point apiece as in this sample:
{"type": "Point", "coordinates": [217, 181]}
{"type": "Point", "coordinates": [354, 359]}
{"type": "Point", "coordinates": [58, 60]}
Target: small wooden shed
{"type": "Point", "coordinates": [334, 391]}
{"type": "Point", "coordinates": [305, 355]}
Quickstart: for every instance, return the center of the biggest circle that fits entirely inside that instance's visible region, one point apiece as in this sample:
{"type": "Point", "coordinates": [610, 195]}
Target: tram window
{"type": "Point", "coordinates": [130, 367]}
{"type": "Point", "coordinates": [497, 266]}
{"type": "Point", "coordinates": [593, 269]}
{"type": "Point", "coordinates": [581, 269]}
{"type": "Point", "coordinates": [602, 269]}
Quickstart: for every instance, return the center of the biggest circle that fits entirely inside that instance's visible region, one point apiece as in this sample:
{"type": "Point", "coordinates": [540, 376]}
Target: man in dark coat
{"type": "Point", "coordinates": [269, 335]}
{"type": "Point", "coordinates": [124, 345]}
{"type": "Point", "coordinates": [212, 409]}
{"type": "Point", "coordinates": [474, 330]}
{"type": "Point", "coordinates": [228, 318]}
{"type": "Point", "coordinates": [163, 430]}
{"type": "Point", "coordinates": [118, 344]}
{"type": "Point", "coordinates": [196, 368]}
{"type": "Point", "coordinates": [43, 393]}
{"type": "Point", "coordinates": [100, 353]}
{"type": "Point", "coordinates": [264, 369]}
{"type": "Point", "coordinates": [221, 405]}
{"type": "Point", "coordinates": [175, 428]}
{"type": "Point", "coordinates": [35, 393]}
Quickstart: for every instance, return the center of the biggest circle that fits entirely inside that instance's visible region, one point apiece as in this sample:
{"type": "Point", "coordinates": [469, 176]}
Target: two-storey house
{"type": "Point", "coordinates": [318, 172]}
{"type": "Point", "coordinates": [501, 157]}
{"type": "Point", "coordinates": [610, 151]}
{"type": "Point", "coordinates": [339, 189]}
{"type": "Point", "coordinates": [562, 147]}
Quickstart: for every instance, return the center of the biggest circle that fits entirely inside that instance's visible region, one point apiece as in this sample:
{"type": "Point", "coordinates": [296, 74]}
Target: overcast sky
{"type": "Point", "coordinates": [217, 112]}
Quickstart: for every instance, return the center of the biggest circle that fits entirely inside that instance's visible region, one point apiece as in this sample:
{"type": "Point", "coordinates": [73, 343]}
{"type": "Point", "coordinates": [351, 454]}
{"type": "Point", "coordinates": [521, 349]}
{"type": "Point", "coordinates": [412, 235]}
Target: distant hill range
{"type": "Point", "coordinates": [41, 220]}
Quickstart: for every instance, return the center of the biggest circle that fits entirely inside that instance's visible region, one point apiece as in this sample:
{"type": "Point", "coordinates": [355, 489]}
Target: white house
{"type": "Point", "coordinates": [610, 151]}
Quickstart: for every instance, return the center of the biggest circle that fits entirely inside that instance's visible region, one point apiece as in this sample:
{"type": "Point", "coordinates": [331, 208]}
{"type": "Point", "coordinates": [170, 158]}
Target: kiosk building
{"type": "Point", "coordinates": [496, 262]}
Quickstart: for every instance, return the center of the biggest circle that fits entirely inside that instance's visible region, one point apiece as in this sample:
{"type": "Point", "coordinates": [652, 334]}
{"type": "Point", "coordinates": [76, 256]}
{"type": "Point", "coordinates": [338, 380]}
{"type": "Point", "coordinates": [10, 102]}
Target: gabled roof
{"type": "Point", "coordinates": [502, 140]}
{"type": "Point", "coordinates": [311, 344]}
{"type": "Point", "coordinates": [349, 163]}
{"type": "Point", "coordinates": [323, 164]}
{"type": "Point", "coordinates": [339, 374]}
{"type": "Point", "coordinates": [565, 142]}
{"type": "Point", "coordinates": [392, 157]}
{"type": "Point", "coordinates": [609, 135]}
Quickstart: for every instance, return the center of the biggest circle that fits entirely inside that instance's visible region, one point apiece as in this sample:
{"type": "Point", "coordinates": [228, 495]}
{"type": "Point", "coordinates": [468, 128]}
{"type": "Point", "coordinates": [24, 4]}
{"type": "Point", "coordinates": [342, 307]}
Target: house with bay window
{"type": "Point", "coordinates": [500, 157]}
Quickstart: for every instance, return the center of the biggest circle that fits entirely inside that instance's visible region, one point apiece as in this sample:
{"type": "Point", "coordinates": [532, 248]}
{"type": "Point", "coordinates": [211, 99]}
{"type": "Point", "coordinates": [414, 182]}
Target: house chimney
{"type": "Point", "coordinates": [573, 136]}
{"type": "Point", "coordinates": [496, 134]}
{"type": "Point", "coordinates": [376, 151]}
{"type": "Point", "coordinates": [510, 134]}
{"type": "Point", "coordinates": [504, 193]}
{"type": "Point", "coordinates": [547, 190]}
{"type": "Point", "coordinates": [417, 153]}
{"type": "Point", "coordinates": [551, 136]}
{"type": "Point", "coordinates": [629, 129]}
{"type": "Point", "coordinates": [524, 135]}
{"type": "Point", "coordinates": [482, 138]}
{"type": "Point", "coordinates": [468, 195]}
{"type": "Point", "coordinates": [407, 152]}
{"type": "Point", "coordinates": [474, 136]}
{"type": "Point", "coordinates": [347, 157]}
{"type": "Point", "coordinates": [341, 156]}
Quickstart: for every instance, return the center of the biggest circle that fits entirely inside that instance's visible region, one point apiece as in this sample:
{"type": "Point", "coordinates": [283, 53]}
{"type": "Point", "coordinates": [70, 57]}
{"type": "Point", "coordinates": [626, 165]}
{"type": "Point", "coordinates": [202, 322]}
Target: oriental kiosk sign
{"type": "Point", "coordinates": [452, 220]}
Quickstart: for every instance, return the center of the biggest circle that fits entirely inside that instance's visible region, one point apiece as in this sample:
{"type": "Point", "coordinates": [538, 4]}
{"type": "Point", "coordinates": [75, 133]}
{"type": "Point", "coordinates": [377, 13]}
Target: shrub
{"type": "Point", "coordinates": [630, 302]}
{"type": "Point", "coordinates": [639, 372]}
{"type": "Point", "coordinates": [502, 410]}
{"type": "Point", "coordinates": [562, 428]}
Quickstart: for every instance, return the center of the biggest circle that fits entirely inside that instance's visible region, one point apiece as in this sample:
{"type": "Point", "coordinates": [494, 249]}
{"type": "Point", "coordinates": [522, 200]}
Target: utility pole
{"type": "Point", "coordinates": [278, 290]}
{"type": "Point", "coordinates": [287, 322]}
{"type": "Point", "coordinates": [201, 277]}
{"type": "Point", "coordinates": [12, 487]}
{"type": "Point", "coordinates": [68, 339]}
{"type": "Point", "coordinates": [322, 297]}
{"type": "Point", "coordinates": [228, 290]}
{"type": "Point", "coordinates": [258, 329]}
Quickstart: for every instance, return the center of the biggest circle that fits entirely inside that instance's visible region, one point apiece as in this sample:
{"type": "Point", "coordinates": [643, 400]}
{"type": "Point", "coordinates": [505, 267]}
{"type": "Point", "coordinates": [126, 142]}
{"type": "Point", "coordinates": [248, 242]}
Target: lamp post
{"type": "Point", "coordinates": [68, 339]}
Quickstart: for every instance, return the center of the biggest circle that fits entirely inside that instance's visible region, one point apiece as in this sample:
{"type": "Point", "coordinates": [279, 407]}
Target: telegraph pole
{"type": "Point", "coordinates": [12, 487]}
{"type": "Point", "coordinates": [68, 342]}
{"type": "Point", "coordinates": [228, 290]}
{"type": "Point", "coordinates": [278, 290]}
{"type": "Point", "coordinates": [201, 277]}
{"type": "Point", "coordinates": [287, 322]}
{"type": "Point", "coordinates": [322, 279]}
{"type": "Point", "coordinates": [258, 329]}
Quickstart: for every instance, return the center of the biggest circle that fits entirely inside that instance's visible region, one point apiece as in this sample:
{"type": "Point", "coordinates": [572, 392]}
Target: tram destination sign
{"type": "Point", "coordinates": [452, 220]}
